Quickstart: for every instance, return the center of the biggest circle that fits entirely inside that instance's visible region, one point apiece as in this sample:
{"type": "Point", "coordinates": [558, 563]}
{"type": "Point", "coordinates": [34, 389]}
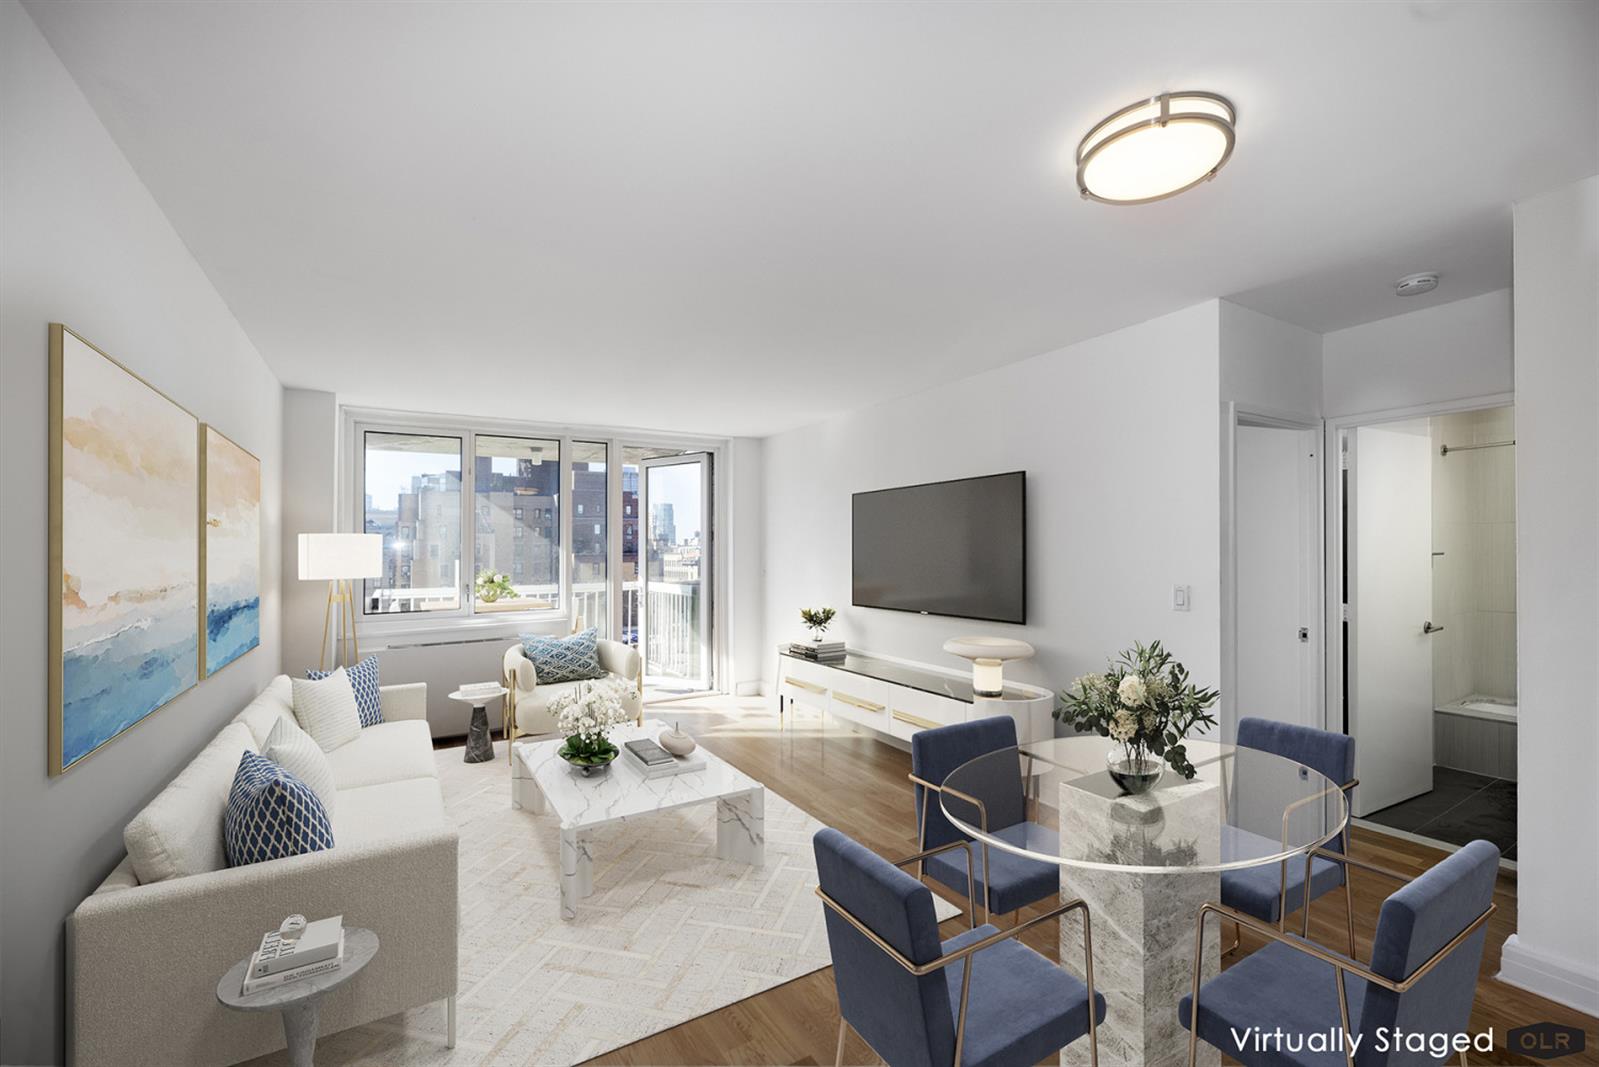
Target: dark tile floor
{"type": "Point", "coordinates": [1461, 808]}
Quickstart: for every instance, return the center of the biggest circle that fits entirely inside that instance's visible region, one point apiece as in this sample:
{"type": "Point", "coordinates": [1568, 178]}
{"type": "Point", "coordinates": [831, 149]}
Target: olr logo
{"type": "Point", "coordinates": [1546, 1041]}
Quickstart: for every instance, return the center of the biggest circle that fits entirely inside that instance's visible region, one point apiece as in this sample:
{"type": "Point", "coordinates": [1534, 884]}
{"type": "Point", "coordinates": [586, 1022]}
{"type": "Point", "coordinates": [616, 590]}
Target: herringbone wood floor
{"type": "Point", "coordinates": [858, 785]}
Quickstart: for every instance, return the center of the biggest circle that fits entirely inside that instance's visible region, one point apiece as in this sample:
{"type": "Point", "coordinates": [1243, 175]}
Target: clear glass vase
{"type": "Point", "coordinates": [1134, 774]}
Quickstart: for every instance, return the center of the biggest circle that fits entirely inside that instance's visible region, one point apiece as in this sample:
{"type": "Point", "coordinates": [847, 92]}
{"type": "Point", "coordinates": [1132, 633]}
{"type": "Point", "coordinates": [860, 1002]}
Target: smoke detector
{"type": "Point", "coordinates": [1416, 284]}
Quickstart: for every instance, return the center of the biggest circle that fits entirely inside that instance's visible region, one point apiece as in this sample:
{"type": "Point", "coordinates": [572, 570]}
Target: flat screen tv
{"type": "Point", "coordinates": [954, 548]}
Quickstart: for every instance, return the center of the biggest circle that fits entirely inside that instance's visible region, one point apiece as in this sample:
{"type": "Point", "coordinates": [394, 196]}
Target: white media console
{"type": "Point", "coordinates": [897, 697]}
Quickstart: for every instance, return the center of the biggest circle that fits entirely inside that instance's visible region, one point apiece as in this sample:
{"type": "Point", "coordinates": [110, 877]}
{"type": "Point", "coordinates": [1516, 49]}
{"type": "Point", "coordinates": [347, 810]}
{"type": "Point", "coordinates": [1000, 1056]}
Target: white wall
{"type": "Point", "coordinates": [1448, 352]}
{"type": "Point", "coordinates": [85, 244]}
{"type": "Point", "coordinates": [744, 612]}
{"type": "Point", "coordinates": [1555, 950]}
{"type": "Point", "coordinates": [1269, 365]}
{"type": "Point", "coordinates": [1117, 436]}
{"type": "Point", "coordinates": [310, 500]}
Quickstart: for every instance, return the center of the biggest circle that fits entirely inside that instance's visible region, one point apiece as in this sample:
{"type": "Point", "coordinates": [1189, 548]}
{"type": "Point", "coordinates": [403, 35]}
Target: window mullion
{"type": "Point", "coordinates": [468, 523]}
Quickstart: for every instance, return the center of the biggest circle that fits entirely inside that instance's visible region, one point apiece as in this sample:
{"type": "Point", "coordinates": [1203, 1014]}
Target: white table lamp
{"type": "Point", "coordinates": [988, 656]}
{"type": "Point", "coordinates": [338, 559]}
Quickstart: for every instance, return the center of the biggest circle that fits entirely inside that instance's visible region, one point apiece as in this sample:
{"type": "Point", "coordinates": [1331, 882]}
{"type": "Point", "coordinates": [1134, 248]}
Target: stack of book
{"type": "Point", "coordinates": [318, 950]}
{"type": "Point", "coordinates": [481, 689]}
{"type": "Point", "coordinates": [820, 651]}
{"type": "Point", "coordinates": [653, 761]}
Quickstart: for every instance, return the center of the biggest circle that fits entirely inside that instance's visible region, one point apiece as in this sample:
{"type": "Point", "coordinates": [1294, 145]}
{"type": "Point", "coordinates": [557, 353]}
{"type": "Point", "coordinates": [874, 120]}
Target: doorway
{"type": "Point", "coordinates": [668, 540]}
{"type": "Point", "coordinates": [1272, 560]}
{"type": "Point", "coordinates": [1426, 567]}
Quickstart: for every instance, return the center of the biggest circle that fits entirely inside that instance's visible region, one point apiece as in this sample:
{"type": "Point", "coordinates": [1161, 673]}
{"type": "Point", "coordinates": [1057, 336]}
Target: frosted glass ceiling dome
{"type": "Point", "coordinates": [1156, 148]}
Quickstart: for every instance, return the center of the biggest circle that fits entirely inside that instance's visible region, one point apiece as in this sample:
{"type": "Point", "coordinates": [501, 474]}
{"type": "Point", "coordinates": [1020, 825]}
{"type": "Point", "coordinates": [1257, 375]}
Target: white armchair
{"type": "Point", "coordinates": [527, 704]}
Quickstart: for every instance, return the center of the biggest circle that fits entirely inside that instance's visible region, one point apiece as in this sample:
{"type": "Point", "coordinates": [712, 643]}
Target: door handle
{"type": "Point", "coordinates": [1429, 628]}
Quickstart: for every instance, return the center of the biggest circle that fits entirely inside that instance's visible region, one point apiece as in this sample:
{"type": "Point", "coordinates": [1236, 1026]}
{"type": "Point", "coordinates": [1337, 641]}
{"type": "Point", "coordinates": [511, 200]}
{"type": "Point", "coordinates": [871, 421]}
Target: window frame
{"type": "Point", "coordinates": [448, 625]}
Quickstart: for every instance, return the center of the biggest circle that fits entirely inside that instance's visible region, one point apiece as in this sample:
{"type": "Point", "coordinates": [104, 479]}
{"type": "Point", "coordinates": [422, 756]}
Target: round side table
{"type": "Point", "coordinates": [299, 1001]}
{"type": "Point", "coordinates": [479, 746]}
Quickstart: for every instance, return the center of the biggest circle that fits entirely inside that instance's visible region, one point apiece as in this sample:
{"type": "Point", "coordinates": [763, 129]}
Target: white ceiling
{"type": "Point", "coordinates": [741, 218]}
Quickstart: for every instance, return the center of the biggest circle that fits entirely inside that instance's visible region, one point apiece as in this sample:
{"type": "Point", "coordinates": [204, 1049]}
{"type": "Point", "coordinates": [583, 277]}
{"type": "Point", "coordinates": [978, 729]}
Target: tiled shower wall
{"type": "Point", "coordinates": [1474, 580]}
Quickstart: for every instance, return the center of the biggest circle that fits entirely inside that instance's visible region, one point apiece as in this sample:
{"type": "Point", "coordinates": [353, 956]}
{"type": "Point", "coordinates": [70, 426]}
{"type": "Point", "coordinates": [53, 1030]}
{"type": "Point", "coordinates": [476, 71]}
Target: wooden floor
{"type": "Point", "coordinates": [858, 785]}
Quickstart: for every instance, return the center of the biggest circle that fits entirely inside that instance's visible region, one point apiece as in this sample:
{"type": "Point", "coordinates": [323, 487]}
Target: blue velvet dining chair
{"type": "Point", "coordinates": [979, 999]}
{"type": "Point", "coordinates": [1272, 893]}
{"type": "Point", "coordinates": [1006, 881]}
{"type": "Point", "coordinates": [1422, 977]}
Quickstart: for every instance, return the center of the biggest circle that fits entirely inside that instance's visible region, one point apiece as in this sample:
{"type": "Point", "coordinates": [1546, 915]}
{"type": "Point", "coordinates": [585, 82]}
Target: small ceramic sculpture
{"type": "Point", "coordinates": [676, 741]}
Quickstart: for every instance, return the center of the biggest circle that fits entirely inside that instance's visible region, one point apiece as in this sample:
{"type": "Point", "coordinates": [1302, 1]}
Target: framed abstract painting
{"type": "Point", "coordinates": [230, 560]}
{"type": "Point", "coordinates": [124, 549]}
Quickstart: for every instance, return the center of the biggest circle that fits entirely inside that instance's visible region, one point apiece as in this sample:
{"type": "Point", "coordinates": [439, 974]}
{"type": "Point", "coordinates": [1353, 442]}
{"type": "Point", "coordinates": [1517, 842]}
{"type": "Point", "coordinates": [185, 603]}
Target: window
{"type": "Point", "coordinates": [532, 506]}
{"type": "Point", "coordinates": [509, 474]}
{"type": "Point", "coordinates": [590, 551]}
{"type": "Point", "coordinates": [413, 498]}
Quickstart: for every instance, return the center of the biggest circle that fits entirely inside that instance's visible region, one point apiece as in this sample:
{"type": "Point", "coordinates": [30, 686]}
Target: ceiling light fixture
{"type": "Point", "coordinates": [1156, 148]}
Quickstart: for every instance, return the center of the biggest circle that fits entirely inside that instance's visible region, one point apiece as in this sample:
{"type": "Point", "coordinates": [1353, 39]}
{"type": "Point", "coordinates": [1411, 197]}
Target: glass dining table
{"type": "Point", "coordinates": [1144, 863]}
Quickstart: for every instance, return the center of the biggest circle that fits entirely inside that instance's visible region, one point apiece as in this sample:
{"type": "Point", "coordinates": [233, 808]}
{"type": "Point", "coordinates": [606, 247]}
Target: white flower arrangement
{"type": "Point", "coordinates": [1145, 702]}
{"type": "Point", "coordinates": [586, 713]}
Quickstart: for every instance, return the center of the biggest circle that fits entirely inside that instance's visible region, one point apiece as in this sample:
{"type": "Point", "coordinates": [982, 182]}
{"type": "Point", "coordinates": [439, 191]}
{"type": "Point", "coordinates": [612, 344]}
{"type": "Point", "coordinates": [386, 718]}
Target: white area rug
{"type": "Point", "coordinates": [669, 934]}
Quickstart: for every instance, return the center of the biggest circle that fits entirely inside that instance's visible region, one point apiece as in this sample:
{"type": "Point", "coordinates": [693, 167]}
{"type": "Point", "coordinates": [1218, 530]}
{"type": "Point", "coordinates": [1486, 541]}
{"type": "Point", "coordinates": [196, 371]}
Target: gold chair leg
{"type": "Point", "coordinates": [838, 1060]}
{"type": "Point", "coordinates": [1238, 939]}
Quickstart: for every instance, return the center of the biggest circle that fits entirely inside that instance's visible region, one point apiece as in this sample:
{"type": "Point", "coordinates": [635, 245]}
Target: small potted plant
{"type": "Point", "coordinates": [492, 586]}
{"type": "Point", "coordinates": [1147, 705]}
{"type": "Point", "coordinates": [585, 715]}
{"type": "Point", "coordinates": [817, 620]}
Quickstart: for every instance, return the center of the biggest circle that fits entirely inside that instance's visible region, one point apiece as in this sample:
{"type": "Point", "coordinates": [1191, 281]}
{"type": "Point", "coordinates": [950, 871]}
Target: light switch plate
{"type": "Point", "coordinates": [1181, 597]}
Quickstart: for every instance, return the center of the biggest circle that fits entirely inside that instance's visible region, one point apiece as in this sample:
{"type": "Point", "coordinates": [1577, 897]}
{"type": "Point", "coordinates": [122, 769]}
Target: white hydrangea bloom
{"type": "Point", "coordinates": [1132, 691]}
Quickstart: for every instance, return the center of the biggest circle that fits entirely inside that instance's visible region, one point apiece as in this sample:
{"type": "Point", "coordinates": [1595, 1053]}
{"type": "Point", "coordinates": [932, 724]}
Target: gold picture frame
{"type": "Point", "coordinates": [124, 640]}
{"type": "Point", "coordinates": [230, 535]}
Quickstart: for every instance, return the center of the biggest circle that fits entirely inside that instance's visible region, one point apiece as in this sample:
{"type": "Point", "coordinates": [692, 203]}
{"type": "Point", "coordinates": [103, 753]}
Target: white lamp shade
{"type": "Point", "coordinates": [330, 557]}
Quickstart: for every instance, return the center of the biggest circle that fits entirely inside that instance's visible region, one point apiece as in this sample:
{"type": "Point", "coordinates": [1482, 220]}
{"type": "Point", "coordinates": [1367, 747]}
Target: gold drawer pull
{"type": "Point", "coordinates": [812, 686]}
{"type": "Point", "coordinates": [916, 720]}
{"type": "Point", "coordinates": [857, 702]}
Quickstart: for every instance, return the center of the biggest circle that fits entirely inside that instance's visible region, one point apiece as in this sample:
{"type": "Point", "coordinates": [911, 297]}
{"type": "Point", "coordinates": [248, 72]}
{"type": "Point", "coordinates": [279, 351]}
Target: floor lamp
{"type": "Point", "coordinates": [338, 559]}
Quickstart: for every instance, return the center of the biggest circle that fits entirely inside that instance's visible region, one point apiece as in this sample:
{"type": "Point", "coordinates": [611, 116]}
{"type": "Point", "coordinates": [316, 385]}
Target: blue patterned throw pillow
{"type": "Point", "coordinates": [271, 815]}
{"type": "Point", "coordinates": [364, 680]}
{"type": "Point", "coordinates": [564, 659]}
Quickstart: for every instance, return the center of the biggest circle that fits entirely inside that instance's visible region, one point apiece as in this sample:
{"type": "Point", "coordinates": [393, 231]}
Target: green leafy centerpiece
{"type": "Point", "coordinates": [1146, 703]}
{"type": "Point", "coordinates": [492, 586]}
{"type": "Point", "coordinates": [817, 620]}
{"type": "Point", "coordinates": [585, 714]}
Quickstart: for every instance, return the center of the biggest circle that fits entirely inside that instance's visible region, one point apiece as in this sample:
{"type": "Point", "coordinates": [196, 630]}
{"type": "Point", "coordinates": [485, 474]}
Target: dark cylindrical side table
{"type": "Point", "coordinates": [479, 746]}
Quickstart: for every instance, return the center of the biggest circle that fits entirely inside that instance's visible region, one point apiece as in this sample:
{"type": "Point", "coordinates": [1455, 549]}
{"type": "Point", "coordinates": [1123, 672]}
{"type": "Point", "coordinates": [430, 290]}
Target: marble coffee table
{"type": "Point", "coordinates": [543, 782]}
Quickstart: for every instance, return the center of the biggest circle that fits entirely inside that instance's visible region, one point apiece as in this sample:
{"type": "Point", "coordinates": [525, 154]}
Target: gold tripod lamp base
{"type": "Point", "coordinates": [339, 559]}
{"type": "Point", "coordinates": [345, 643]}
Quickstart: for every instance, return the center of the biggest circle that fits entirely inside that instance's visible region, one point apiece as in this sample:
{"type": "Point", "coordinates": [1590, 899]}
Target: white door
{"type": "Point", "coordinates": [675, 572]}
{"type": "Point", "coordinates": [1390, 605]}
{"type": "Point", "coordinates": [1277, 575]}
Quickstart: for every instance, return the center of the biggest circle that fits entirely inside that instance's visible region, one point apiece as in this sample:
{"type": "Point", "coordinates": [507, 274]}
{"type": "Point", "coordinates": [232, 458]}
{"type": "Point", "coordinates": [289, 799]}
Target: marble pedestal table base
{"type": "Point", "coordinates": [1143, 922]}
{"type": "Point", "coordinates": [300, 1001]}
{"type": "Point", "coordinates": [542, 782]}
{"type": "Point", "coordinates": [479, 746]}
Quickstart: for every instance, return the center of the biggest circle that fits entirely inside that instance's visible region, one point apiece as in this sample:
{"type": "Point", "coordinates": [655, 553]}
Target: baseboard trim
{"type": "Point", "coordinates": [747, 689]}
{"type": "Point", "coordinates": [1560, 979]}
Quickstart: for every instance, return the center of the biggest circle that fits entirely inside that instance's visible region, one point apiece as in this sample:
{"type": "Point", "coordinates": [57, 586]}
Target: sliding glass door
{"type": "Point", "coordinates": [675, 580]}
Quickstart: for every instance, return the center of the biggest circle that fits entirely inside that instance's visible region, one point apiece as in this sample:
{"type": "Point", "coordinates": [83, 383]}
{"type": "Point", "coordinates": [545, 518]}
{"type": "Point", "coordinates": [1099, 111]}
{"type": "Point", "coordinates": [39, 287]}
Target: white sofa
{"type": "Point", "coordinates": [527, 704]}
{"type": "Point", "coordinates": [145, 951]}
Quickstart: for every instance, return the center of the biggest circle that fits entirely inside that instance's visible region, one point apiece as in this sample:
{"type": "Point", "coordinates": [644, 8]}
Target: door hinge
{"type": "Point", "coordinates": [1343, 613]}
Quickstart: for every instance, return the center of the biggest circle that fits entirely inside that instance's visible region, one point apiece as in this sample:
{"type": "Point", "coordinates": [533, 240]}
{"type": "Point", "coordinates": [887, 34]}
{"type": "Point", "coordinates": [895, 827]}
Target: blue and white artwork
{"type": "Point", "coordinates": [232, 552]}
{"type": "Point", "coordinates": [126, 516]}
